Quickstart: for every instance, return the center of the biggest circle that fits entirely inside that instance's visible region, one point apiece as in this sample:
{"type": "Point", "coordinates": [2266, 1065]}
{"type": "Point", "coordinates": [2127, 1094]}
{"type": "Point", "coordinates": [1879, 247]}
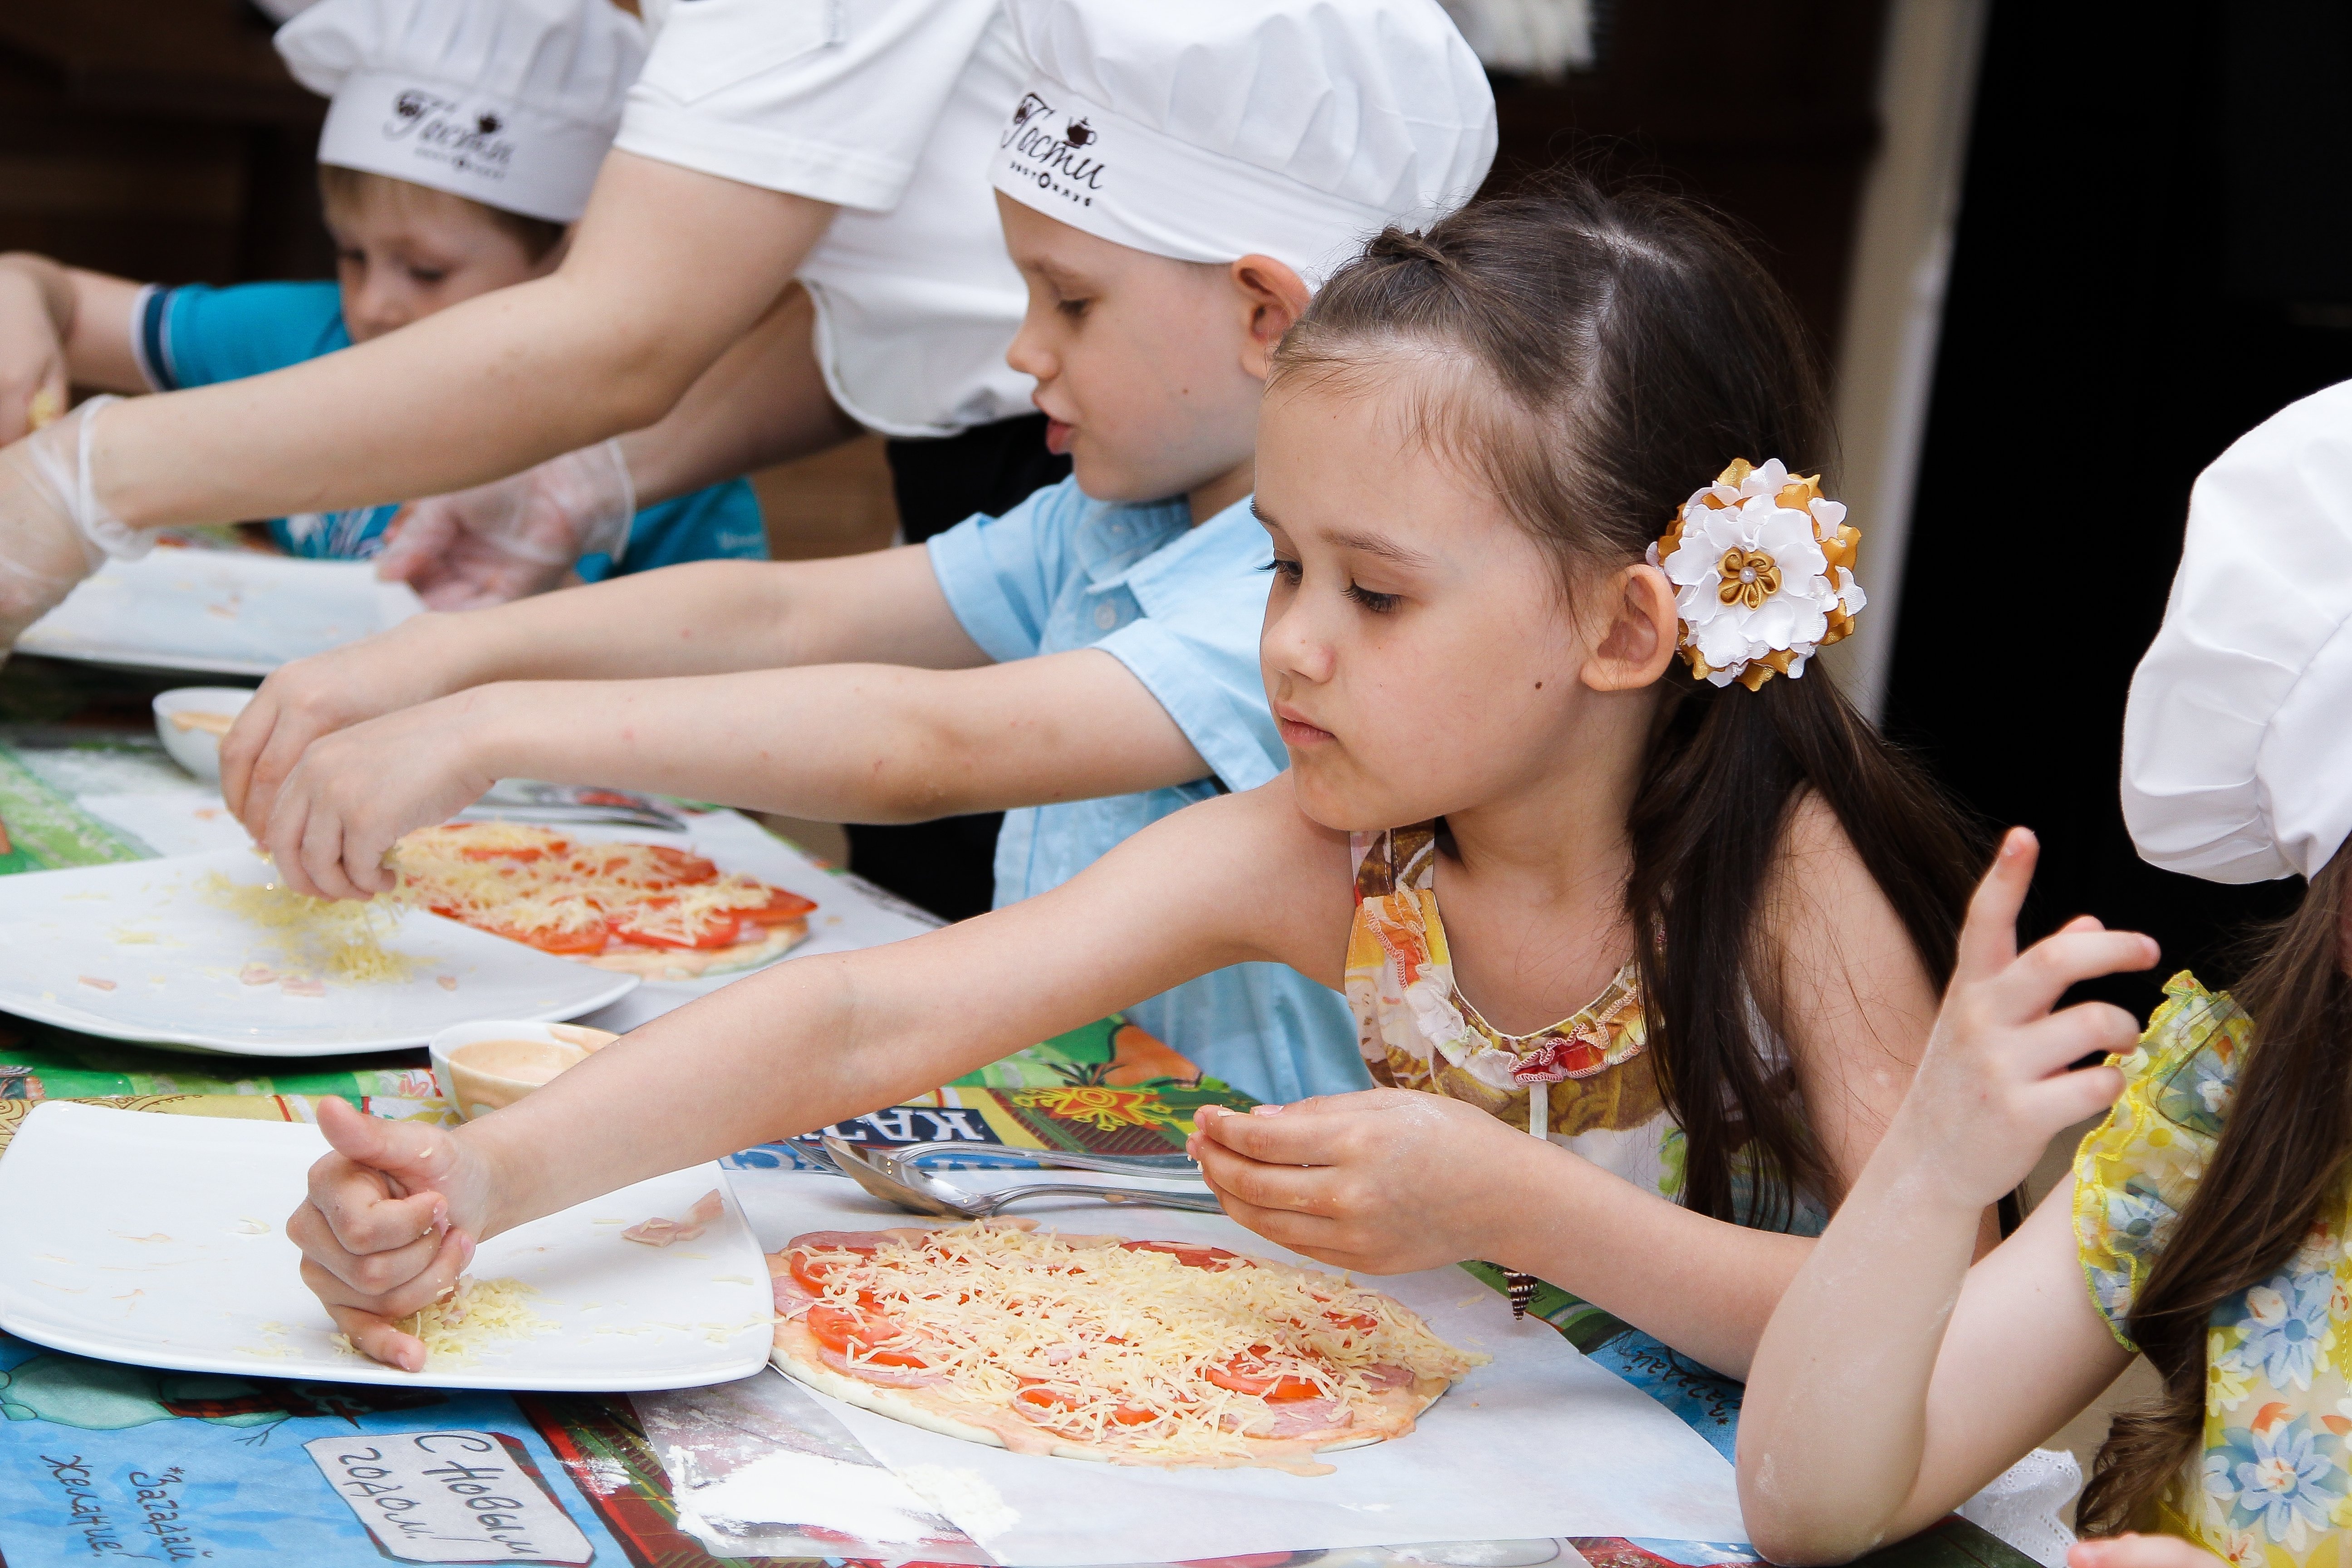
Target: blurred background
{"type": "Point", "coordinates": [2055, 257]}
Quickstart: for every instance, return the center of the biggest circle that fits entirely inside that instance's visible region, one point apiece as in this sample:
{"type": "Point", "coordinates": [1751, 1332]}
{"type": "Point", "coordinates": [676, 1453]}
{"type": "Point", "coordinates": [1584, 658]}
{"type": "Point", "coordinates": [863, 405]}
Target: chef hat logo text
{"type": "Point", "coordinates": [1052, 158]}
{"type": "Point", "coordinates": [445, 132]}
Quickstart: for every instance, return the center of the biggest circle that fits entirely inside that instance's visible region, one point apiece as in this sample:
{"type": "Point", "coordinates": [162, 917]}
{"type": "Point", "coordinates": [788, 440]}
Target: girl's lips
{"type": "Point", "coordinates": [1057, 436]}
{"type": "Point", "coordinates": [1298, 732]}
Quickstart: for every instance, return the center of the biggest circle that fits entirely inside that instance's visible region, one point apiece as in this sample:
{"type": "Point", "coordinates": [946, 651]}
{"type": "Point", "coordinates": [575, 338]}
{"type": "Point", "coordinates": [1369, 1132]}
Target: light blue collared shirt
{"type": "Point", "coordinates": [1179, 607]}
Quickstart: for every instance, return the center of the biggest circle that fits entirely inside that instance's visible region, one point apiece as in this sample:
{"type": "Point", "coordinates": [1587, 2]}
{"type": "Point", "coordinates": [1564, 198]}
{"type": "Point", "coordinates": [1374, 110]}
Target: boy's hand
{"type": "Point", "coordinates": [33, 373]}
{"type": "Point", "coordinates": [318, 696]}
{"type": "Point", "coordinates": [388, 1227]}
{"type": "Point", "coordinates": [514, 536]}
{"type": "Point", "coordinates": [1996, 1082]}
{"type": "Point", "coordinates": [355, 791]}
{"type": "Point", "coordinates": [1385, 1181]}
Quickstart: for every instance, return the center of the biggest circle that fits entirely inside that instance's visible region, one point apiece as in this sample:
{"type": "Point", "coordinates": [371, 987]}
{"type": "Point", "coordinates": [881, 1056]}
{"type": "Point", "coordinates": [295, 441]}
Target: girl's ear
{"type": "Point", "coordinates": [1644, 629]}
{"type": "Point", "coordinates": [1275, 298]}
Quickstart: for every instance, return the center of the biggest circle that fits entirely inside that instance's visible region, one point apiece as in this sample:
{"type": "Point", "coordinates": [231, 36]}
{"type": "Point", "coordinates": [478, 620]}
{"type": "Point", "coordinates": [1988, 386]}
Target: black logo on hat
{"type": "Point", "coordinates": [1052, 162]}
{"type": "Point", "coordinates": [443, 131]}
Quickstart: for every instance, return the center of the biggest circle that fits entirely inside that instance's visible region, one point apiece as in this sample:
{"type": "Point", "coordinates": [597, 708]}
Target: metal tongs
{"type": "Point", "coordinates": [897, 1180]}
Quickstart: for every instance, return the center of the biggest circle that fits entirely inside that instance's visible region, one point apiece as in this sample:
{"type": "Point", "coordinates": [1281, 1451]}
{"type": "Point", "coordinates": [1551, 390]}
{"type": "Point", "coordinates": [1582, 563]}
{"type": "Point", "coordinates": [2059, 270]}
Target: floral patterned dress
{"type": "Point", "coordinates": [1417, 1031]}
{"type": "Point", "coordinates": [2272, 1487]}
{"type": "Point", "coordinates": [1590, 1073]}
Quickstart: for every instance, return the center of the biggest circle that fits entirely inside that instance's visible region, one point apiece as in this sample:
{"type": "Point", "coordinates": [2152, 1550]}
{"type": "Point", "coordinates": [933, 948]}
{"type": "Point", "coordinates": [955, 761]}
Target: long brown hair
{"type": "Point", "coordinates": [2286, 1138]}
{"type": "Point", "coordinates": [1601, 354]}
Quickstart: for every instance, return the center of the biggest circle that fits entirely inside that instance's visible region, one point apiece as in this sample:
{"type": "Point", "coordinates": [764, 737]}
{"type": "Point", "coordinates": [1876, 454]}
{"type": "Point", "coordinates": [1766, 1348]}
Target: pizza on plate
{"type": "Point", "coordinates": [1096, 1347]}
{"type": "Point", "coordinates": [642, 908]}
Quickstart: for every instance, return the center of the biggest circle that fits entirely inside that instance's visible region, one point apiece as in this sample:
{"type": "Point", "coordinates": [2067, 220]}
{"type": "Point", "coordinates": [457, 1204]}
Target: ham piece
{"type": "Point", "coordinates": [660, 1232]}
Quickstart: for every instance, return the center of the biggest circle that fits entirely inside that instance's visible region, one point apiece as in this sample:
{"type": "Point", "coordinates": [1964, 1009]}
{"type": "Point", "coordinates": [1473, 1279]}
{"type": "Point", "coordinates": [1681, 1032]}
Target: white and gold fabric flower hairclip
{"type": "Point", "coordinates": [1762, 566]}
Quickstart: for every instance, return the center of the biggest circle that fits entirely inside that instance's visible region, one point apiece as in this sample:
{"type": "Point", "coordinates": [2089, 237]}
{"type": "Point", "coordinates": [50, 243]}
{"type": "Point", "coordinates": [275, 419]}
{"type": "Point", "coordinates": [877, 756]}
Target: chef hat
{"type": "Point", "coordinates": [2238, 738]}
{"type": "Point", "coordinates": [1210, 130]}
{"type": "Point", "coordinates": [511, 102]}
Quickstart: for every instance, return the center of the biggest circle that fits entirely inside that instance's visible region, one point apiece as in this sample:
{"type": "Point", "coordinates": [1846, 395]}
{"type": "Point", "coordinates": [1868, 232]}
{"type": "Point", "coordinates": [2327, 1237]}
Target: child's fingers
{"type": "Point", "coordinates": [378, 1340]}
{"type": "Point", "coordinates": [2032, 986]}
{"type": "Point", "coordinates": [414, 1153]}
{"type": "Point", "coordinates": [368, 1271]}
{"type": "Point", "coordinates": [389, 1292]}
{"type": "Point", "coordinates": [1284, 1139]}
{"type": "Point", "coordinates": [1301, 1189]}
{"type": "Point", "coordinates": [2057, 1103]}
{"type": "Point", "coordinates": [1989, 938]}
{"type": "Point", "coordinates": [2140, 1552]}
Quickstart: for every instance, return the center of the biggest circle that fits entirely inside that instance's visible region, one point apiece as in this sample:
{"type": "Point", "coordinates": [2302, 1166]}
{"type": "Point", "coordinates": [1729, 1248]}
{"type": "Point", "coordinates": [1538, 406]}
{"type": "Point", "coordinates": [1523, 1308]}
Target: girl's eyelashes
{"type": "Point", "coordinates": [1292, 574]}
{"type": "Point", "coordinates": [1074, 308]}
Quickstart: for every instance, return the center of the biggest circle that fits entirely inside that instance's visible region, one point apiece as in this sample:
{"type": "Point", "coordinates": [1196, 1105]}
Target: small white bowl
{"type": "Point", "coordinates": [477, 1088]}
{"type": "Point", "coordinates": [194, 748]}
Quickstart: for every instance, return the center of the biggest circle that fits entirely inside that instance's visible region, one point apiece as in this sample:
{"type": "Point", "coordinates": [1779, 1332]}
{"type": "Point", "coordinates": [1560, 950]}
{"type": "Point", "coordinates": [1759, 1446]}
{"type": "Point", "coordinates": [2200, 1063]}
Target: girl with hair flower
{"type": "Point", "coordinates": [2207, 1224]}
{"type": "Point", "coordinates": [1691, 933]}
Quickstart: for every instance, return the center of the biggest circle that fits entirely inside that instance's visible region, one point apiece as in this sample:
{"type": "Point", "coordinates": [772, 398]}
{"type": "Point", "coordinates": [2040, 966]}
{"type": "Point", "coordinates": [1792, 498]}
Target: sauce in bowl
{"type": "Point", "coordinates": [519, 1061]}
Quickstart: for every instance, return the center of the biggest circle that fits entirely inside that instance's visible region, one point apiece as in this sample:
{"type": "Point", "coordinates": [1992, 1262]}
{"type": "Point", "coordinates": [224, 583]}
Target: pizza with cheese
{"type": "Point", "coordinates": [1094, 1347]}
{"type": "Point", "coordinates": [642, 908]}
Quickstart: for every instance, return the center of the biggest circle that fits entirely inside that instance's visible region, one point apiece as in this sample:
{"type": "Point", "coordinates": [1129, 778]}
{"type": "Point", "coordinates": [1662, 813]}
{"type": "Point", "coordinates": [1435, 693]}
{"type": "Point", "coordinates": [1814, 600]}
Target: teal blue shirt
{"type": "Point", "coordinates": [1181, 607]}
{"type": "Point", "coordinates": [197, 336]}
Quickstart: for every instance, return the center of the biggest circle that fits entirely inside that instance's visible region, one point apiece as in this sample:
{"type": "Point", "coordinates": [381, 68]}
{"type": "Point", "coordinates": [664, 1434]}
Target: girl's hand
{"type": "Point", "coordinates": [1385, 1181]}
{"type": "Point", "coordinates": [1996, 1082]}
{"type": "Point", "coordinates": [2140, 1552]}
{"type": "Point", "coordinates": [388, 1227]}
{"type": "Point", "coordinates": [32, 373]}
{"type": "Point", "coordinates": [358, 790]}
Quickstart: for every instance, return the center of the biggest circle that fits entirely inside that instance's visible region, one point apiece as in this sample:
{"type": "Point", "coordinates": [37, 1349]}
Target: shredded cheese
{"type": "Point", "coordinates": [345, 939]}
{"type": "Point", "coordinates": [1102, 1344]}
{"type": "Point", "coordinates": [480, 1313]}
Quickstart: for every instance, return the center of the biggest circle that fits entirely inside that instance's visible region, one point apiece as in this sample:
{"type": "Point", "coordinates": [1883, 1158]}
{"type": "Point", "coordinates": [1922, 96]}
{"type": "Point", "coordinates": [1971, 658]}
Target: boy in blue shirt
{"type": "Point", "coordinates": [1087, 662]}
{"type": "Point", "coordinates": [433, 194]}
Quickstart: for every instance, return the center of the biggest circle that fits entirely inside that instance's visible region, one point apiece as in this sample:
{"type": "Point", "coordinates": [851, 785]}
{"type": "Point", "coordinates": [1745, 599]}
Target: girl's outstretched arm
{"type": "Point", "coordinates": [391, 1218]}
{"type": "Point", "coordinates": [1894, 1381]}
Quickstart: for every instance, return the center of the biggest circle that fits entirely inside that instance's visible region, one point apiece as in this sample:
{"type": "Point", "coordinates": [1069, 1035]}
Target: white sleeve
{"type": "Point", "coordinates": [832, 100]}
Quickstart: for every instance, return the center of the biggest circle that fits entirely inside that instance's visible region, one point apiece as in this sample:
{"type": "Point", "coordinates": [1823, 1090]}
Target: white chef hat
{"type": "Point", "coordinates": [2238, 737]}
{"type": "Point", "coordinates": [1210, 130]}
{"type": "Point", "coordinates": [511, 102]}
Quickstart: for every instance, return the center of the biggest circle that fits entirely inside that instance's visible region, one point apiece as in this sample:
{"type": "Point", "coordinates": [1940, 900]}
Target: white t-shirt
{"type": "Point", "coordinates": [888, 108]}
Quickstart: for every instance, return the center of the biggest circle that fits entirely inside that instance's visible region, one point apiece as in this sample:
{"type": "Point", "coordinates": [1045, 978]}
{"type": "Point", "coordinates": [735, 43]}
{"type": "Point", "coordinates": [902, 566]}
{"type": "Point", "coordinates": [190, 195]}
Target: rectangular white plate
{"type": "Point", "coordinates": [160, 1240]}
{"type": "Point", "coordinates": [181, 988]}
{"type": "Point", "coordinates": [226, 612]}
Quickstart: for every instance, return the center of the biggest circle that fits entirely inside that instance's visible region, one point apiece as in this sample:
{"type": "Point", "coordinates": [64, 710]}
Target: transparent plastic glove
{"type": "Point", "coordinates": [513, 536]}
{"type": "Point", "coordinates": [54, 532]}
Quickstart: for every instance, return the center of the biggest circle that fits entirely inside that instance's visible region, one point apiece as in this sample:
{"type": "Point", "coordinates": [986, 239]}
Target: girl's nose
{"type": "Point", "coordinates": [1291, 645]}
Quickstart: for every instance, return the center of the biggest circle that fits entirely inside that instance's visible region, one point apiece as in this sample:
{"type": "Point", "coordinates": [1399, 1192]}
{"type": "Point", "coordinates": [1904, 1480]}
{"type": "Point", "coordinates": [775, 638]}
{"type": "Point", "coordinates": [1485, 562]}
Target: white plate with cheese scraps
{"type": "Point", "coordinates": [225, 612]}
{"type": "Point", "coordinates": [160, 1241]}
{"type": "Point", "coordinates": [207, 952]}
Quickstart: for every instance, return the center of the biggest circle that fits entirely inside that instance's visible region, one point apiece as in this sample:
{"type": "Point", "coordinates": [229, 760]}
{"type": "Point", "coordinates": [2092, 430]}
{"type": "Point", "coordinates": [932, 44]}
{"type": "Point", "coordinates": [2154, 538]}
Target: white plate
{"type": "Point", "coordinates": [181, 987]}
{"type": "Point", "coordinates": [227, 612]}
{"type": "Point", "coordinates": [112, 1246]}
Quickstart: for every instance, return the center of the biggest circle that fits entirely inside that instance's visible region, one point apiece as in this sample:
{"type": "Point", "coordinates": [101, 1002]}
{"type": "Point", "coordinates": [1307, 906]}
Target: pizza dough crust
{"type": "Point", "coordinates": [695, 963]}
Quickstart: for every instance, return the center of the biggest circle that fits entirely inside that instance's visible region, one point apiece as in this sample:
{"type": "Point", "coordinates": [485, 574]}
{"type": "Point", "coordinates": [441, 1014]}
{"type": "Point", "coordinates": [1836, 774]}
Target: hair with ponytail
{"type": "Point", "coordinates": [2280, 1151]}
{"type": "Point", "coordinates": [1599, 355]}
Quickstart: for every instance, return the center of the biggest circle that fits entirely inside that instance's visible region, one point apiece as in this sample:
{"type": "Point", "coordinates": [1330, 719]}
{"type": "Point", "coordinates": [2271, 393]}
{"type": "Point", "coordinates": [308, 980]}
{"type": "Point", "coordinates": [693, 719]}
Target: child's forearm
{"type": "Point", "coordinates": [1836, 1413]}
{"type": "Point", "coordinates": [1703, 1287]}
{"type": "Point", "coordinates": [850, 742]}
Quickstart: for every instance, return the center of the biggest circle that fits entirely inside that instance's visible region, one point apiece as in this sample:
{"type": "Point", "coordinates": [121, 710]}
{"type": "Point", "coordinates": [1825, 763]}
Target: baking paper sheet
{"type": "Point", "coordinates": [1539, 1442]}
